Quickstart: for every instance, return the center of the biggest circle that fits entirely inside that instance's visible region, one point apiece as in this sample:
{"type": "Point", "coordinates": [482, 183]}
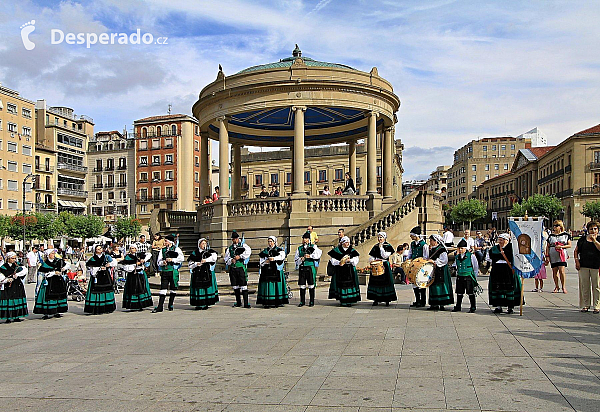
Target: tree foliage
{"type": "Point", "coordinates": [538, 205]}
{"type": "Point", "coordinates": [468, 211]}
{"type": "Point", "coordinates": [591, 210]}
{"type": "Point", "coordinates": [127, 227]}
{"type": "Point", "coordinates": [37, 226]}
{"type": "Point", "coordinates": [84, 226]}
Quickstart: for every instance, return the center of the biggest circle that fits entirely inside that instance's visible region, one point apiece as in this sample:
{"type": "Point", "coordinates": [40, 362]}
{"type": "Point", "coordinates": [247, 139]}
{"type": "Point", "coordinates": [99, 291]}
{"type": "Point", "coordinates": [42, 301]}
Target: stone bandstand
{"type": "Point", "coordinates": [299, 102]}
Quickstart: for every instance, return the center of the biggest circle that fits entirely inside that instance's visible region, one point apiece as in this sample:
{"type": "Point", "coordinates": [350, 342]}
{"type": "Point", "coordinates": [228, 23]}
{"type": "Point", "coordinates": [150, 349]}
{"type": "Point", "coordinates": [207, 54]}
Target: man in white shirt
{"type": "Point", "coordinates": [448, 237]}
{"type": "Point", "coordinates": [470, 241]}
{"type": "Point", "coordinates": [32, 264]}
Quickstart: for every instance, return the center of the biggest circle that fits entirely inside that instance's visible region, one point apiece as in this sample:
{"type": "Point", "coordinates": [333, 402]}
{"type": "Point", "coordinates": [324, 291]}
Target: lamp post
{"type": "Point", "coordinates": [33, 177]}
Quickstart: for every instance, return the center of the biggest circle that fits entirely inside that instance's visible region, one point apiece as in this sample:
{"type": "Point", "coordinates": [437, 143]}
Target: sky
{"type": "Point", "coordinates": [462, 69]}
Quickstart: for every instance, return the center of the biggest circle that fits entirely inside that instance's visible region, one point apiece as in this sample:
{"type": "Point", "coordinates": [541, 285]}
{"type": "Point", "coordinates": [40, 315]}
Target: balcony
{"type": "Point", "coordinates": [122, 167]}
{"type": "Point", "coordinates": [109, 168]}
{"type": "Point", "coordinates": [143, 165]}
{"type": "Point", "coordinates": [155, 164]}
{"type": "Point", "coordinates": [159, 198]}
{"type": "Point", "coordinates": [98, 185]}
{"type": "Point", "coordinates": [72, 192]}
{"type": "Point", "coordinates": [551, 176]}
{"type": "Point", "coordinates": [122, 184]}
{"type": "Point", "coordinates": [44, 168]}
{"type": "Point", "coordinates": [170, 162]}
{"type": "Point", "coordinates": [593, 165]}
{"type": "Point", "coordinates": [588, 191]}
{"type": "Point", "coordinates": [143, 181]}
{"type": "Point", "coordinates": [565, 193]}
{"type": "Point", "coordinates": [98, 169]}
{"type": "Point", "coordinates": [45, 207]}
{"type": "Point", "coordinates": [44, 188]}
{"type": "Point", "coordinates": [74, 168]}
{"type": "Point", "coordinates": [110, 184]}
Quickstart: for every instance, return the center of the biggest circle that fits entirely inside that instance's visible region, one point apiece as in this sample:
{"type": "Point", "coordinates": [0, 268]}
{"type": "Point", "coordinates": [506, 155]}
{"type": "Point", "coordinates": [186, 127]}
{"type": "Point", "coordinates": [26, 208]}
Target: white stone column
{"type": "Point", "coordinates": [372, 154]}
{"type": "Point", "coordinates": [352, 161]}
{"type": "Point", "coordinates": [223, 158]}
{"type": "Point", "coordinates": [205, 166]}
{"type": "Point", "coordinates": [236, 177]}
{"type": "Point", "coordinates": [387, 152]}
{"type": "Point", "coordinates": [298, 153]}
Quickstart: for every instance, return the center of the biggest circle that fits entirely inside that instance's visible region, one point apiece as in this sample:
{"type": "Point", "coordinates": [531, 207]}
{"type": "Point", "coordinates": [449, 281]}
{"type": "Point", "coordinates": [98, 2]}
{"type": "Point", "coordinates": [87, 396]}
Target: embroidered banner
{"type": "Point", "coordinates": [526, 241]}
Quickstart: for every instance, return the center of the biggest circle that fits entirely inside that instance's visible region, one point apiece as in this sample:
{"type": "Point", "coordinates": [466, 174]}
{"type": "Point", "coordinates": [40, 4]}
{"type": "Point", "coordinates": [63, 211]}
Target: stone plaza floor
{"type": "Point", "coordinates": [326, 358]}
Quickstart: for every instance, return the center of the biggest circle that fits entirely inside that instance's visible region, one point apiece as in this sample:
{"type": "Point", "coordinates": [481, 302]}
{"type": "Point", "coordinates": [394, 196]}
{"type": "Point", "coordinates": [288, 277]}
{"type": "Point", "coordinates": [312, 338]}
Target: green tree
{"type": "Point", "coordinates": [591, 210]}
{"type": "Point", "coordinates": [4, 227]}
{"type": "Point", "coordinates": [83, 226]}
{"type": "Point", "coordinates": [539, 205]}
{"type": "Point", "coordinates": [468, 211]}
{"type": "Point", "coordinates": [127, 227]}
{"type": "Point", "coordinates": [39, 226]}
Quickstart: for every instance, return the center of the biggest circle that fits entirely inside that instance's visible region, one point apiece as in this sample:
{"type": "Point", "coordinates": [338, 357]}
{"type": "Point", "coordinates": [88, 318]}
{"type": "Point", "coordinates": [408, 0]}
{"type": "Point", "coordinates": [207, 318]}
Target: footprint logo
{"type": "Point", "coordinates": [26, 30]}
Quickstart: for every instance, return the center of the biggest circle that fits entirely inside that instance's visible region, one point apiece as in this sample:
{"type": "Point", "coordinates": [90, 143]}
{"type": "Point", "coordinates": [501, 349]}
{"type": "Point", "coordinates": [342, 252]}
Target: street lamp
{"type": "Point", "coordinates": [33, 178]}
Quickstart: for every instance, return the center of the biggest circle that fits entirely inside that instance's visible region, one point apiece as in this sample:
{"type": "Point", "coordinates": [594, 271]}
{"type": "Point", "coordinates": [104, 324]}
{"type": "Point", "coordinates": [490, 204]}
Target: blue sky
{"type": "Point", "coordinates": [462, 69]}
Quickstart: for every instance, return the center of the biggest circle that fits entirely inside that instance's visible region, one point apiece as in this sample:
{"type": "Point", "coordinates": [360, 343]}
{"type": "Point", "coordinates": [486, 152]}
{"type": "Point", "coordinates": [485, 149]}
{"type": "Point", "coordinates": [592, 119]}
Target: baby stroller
{"type": "Point", "coordinates": [119, 280]}
{"type": "Point", "coordinates": [74, 288]}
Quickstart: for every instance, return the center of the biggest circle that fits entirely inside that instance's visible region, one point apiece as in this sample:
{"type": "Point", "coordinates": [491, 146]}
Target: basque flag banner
{"type": "Point", "coordinates": [526, 241]}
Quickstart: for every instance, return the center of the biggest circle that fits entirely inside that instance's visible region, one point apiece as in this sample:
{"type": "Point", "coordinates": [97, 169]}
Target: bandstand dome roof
{"type": "Point", "coordinates": [258, 102]}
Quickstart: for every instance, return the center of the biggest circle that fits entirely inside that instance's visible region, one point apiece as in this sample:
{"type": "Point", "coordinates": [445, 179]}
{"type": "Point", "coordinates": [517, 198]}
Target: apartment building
{"type": "Point", "coordinates": [111, 178]}
{"type": "Point", "coordinates": [61, 133]}
{"type": "Point", "coordinates": [438, 181]}
{"type": "Point", "coordinates": [167, 161]}
{"type": "Point", "coordinates": [480, 160]}
{"type": "Point", "coordinates": [17, 151]}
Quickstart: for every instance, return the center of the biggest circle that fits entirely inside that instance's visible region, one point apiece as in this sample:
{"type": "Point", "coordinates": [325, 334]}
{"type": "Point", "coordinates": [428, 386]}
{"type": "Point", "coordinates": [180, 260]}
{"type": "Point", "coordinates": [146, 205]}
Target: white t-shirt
{"type": "Point", "coordinates": [448, 237]}
{"type": "Point", "coordinates": [32, 258]}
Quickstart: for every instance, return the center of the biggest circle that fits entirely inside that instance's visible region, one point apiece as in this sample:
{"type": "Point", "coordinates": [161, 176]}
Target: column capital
{"type": "Point", "coordinates": [222, 119]}
{"type": "Point", "coordinates": [295, 108]}
{"type": "Point", "coordinates": [373, 114]}
{"type": "Point", "coordinates": [388, 129]}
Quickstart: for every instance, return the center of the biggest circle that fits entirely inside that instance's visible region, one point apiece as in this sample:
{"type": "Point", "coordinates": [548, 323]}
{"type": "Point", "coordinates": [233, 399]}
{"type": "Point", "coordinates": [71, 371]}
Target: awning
{"type": "Point", "coordinates": [73, 205]}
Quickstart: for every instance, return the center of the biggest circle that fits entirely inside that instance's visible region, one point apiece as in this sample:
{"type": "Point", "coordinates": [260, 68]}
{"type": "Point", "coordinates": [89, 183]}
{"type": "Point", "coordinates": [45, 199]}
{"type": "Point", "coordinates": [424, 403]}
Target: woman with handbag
{"type": "Point", "coordinates": [556, 254]}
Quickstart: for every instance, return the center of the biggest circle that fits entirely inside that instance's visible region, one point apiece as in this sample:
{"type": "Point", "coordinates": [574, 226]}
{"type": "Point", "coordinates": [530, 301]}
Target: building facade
{"type": "Point", "coordinates": [17, 151]}
{"type": "Point", "coordinates": [324, 166]}
{"type": "Point", "coordinates": [480, 160]}
{"type": "Point", "coordinates": [111, 178]}
{"type": "Point", "coordinates": [167, 162]}
{"type": "Point", "coordinates": [61, 133]}
{"type": "Point", "coordinates": [438, 181]}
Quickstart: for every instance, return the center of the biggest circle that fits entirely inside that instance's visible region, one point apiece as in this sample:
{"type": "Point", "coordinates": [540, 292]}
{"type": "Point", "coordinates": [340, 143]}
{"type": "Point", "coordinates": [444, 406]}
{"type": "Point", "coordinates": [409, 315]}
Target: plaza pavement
{"type": "Point", "coordinates": [325, 358]}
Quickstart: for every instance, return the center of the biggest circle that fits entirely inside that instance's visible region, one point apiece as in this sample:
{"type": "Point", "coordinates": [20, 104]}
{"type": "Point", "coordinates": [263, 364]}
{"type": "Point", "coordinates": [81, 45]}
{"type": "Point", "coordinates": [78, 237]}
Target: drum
{"type": "Point", "coordinates": [420, 272]}
{"type": "Point", "coordinates": [377, 268]}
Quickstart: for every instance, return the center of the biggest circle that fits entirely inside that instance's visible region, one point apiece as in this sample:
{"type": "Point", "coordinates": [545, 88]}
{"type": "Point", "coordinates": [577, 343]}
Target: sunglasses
{"type": "Point", "coordinates": [556, 225]}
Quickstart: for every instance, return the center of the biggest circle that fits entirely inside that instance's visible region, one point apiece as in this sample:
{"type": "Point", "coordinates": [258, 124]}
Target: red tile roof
{"type": "Point", "coordinates": [541, 151]}
{"type": "Point", "coordinates": [595, 129]}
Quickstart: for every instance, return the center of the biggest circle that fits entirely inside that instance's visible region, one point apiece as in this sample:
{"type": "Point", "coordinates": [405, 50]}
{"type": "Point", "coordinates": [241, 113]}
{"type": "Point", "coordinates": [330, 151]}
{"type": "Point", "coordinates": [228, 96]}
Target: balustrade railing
{"type": "Point", "coordinates": [180, 218]}
{"type": "Point", "coordinates": [337, 204]}
{"type": "Point", "coordinates": [254, 207]}
{"type": "Point", "coordinates": [206, 211]}
{"type": "Point", "coordinates": [384, 220]}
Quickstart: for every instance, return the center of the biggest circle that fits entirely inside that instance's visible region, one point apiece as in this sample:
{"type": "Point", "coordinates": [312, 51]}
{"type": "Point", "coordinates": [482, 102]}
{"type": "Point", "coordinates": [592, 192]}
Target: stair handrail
{"type": "Point", "coordinates": [383, 220]}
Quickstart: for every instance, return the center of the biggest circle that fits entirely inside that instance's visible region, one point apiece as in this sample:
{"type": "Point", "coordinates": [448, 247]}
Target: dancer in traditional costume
{"type": "Point", "coordinates": [272, 288]}
{"type": "Point", "coordinates": [203, 283]}
{"type": "Point", "coordinates": [136, 293]}
{"type": "Point", "coordinates": [381, 288]}
{"type": "Point", "coordinates": [440, 291]}
{"type": "Point", "coordinates": [418, 249]}
{"type": "Point", "coordinates": [467, 268]}
{"type": "Point", "coordinates": [305, 258]}
{"type": "Point", "coordinates": [13, 302]}
{"type": "Point", "coordinates": [51, 299]}
{"type": "Point", "coordinates": [504, 285]}
{"type": "Point", "coordinates": [236, 256]}
{"type": "Point", "coordinates": [100, 294]}
{"type": "Point", "coordinates": [344, 282]}
{"type": "Point", "coordinates": [169, 262]}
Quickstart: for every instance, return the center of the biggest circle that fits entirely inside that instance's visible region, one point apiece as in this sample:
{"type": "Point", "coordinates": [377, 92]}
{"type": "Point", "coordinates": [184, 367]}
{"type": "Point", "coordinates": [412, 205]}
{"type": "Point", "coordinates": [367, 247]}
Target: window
{"type": "Point", "coordinates": [169, 142]}
{"type": "Point", "coordinates": [169, 160]}
{"type": "Point", "coordinates": [258, 180]}
{"type": "Point", "coordinates": [13, 204]}
{"type": "Point", "coordinates": [244, 182]}
{"type": "Point", "coordinates": [322, 175]}
{"type": "Point", "coordinates": [496, 166]}
{"type": "Point", "coordinates": [11, 147]}
{"type": "Point", "coordinates": [474, 168]}
{"type": "Point", "coordinates": [503, 147]}
{"type": "Point", "coordinates": [493, 147]}
{"type": "Point", "coordinates": [123, 195]}
{"type": "Point", "coordinates": [143, 177]}
{"type": "Point", "coordinates": [1, 184]}
{"type": "Point", "coordinates": [485, 148]}
{"type": "Point", "coordinates": [156, 143]}
{"type": "Point", "coordinates": [143, 145]}
{"type": "Point", "coordinates": [13, 185]}
{"type": "Point", "coordinates": [156, 193]}
{"type": "Point", "coordinates": [274, 178]}
{"type": "Point", "coordinates": [26, 131]}
{"type": "Point", "coordinates": [26, 168]}
{"type": "Point", "coordinates": [156, 160]}
{"type": "Point", "coordinates": [196, 146]}
{"type": "Point", "coordinates": [26, 150]}
{"type": "Point", "coordinates": [12, 166]}
{"type": "Point", "coordinates": [26, 113]}
{"type": "Point", "coordinates": [169, 175]}
{"type": "Point", "coordinates": [122, 163]}
{"type": "Point", "coordinates": [143, 194]}
{"type": "Point", "coordinates": [143, 208]}
{"type": "Point", "coordinates": [474, 178]}
{"type": "Point", "coordinates": [169, 192]}
{"type": "Point", "coordinates": [197, 177]}
{"type": "Point", "coordinates": [512, 147]}
{"type": "Point", "coordinates": [487, 167]}
{"type": "Point", "coordinates": [339, 174]}
{"type": "Point", "coordinates": [505, 166]}
{"type": "Point", "coordinates": [11, 108]}
{"type": "Point", "coordinates": [159, 131]}
{"type": "Point", "coordinates": [99, 196]}
{"type": "Point", "coordinates": [288, 178]}
{"type": "Point", "coordinates": [473, 188]}
{"type": "Point", "coordinates": [144, 161]}
{"type": "Point", "coordinates": [173, 130]}
{"type": "Point", "coordinates": [111, 195]}
{"type": "Point", "coordinates": [69, 140]}
{"type": "Point", "coordinates": [155, 176]}
{"type": "Point", "coordinates": [110, 164]}
{"type": "Point", "coordinates": [307, 177]}
{"type": "Point", "coordinates": [487, 177]}
{"type": "Point", "coordinates": [378, 173]}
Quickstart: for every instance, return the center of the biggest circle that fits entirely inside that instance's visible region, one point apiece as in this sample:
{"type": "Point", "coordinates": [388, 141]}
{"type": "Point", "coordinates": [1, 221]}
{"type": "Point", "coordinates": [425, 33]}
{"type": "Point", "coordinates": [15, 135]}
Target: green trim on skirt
{"type": "Point", "coordinates": [13, 308]}
{"type": "Point", "coordinates": [45, 306]}
{"type": "Point", "coordinates": [385, 293]}
{"type": "Point", "coordinates": [272, 293]}
{"type": "Point", "coordinates": [99, 302]}
{"type": "Point", "coordinates": [344, 295]}
{"type": "Point", "coordinates": [139, 301]}
{"type": "Point", "coordinates": [440, 292]}
{"type": "Point", "coordinates": [205, 296]}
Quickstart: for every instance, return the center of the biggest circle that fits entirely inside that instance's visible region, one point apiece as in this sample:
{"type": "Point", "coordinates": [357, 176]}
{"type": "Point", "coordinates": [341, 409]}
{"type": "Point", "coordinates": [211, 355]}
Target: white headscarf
{"type": "Point", "coordinates": [10, 254]}
{"type": "Point", "coordinates": [505, 236]}
{"type": "Point", "coordinates": [437, 238]}
{"type": "Point", "coordinates": [48, 251]}
{"type": "Point", "coordinates": [200, 241]}
{"type": "Point", "coordinates": [382, 234]}
{"type": "Point", "coordinates": [274, 238]}
{"type": "Point", "coordinates": [345, 239]}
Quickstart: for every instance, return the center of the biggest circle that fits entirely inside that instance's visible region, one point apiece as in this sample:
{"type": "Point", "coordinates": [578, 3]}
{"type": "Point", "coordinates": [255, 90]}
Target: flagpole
{"type": "Point", "coordinates": [522, 280]}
